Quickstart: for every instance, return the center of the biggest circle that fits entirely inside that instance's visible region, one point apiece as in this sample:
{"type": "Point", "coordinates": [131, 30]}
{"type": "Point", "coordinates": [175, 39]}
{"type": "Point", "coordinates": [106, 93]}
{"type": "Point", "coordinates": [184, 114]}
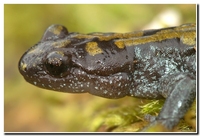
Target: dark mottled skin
{"type": "Point", "coordinates": [152, 64]}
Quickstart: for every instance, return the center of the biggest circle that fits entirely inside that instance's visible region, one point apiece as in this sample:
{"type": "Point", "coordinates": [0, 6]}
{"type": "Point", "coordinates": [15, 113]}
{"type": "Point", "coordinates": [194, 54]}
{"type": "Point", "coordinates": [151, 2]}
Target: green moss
{"type": "Point", "coordinates": [153, 107]}
{"type": "Point", "coordinates": [115, 118]}
{"type": "Point", "coordinates": [131, 118]}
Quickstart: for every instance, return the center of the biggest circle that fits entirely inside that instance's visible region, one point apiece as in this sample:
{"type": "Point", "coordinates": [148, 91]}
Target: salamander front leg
{"type": "Point", "coordinates": [179, 98]}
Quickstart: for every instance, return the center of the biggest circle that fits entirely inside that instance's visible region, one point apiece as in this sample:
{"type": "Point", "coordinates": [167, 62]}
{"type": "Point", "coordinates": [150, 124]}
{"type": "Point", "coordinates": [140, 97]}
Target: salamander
{"type": "Point", "coordinates": [150, 64]}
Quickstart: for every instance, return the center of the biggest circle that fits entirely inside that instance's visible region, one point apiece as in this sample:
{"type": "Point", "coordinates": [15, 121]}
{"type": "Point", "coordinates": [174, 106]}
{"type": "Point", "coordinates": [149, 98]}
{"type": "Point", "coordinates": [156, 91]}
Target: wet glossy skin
{"type": "Point", "coordinates": [151, 64]}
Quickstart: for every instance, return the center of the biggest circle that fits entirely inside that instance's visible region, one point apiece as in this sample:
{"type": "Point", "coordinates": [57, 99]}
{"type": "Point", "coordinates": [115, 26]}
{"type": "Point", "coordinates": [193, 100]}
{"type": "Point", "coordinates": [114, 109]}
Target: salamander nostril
{"type": "Point", "coordinates": [22, 66]}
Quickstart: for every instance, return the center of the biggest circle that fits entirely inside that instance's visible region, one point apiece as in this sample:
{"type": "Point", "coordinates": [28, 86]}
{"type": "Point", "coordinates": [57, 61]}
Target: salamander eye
{"type": "Point", "coordinates": [55, 32]}
{"type": "Point", "coordinates": [57, 65]}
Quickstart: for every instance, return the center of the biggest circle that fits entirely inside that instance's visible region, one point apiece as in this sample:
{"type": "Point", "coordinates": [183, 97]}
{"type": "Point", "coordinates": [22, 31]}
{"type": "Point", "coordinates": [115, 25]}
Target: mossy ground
{"type": "Point", "coordinates": [132, 119]}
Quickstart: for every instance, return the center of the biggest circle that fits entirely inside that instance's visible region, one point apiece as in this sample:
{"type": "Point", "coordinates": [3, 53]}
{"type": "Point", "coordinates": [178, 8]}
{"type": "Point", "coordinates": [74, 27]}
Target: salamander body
{"type": "Point", "coordinates": [152, 64]}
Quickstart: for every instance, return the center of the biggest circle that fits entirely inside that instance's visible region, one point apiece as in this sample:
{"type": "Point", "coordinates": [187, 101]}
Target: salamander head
{"type": "Point", "coordinates": [72, 62]}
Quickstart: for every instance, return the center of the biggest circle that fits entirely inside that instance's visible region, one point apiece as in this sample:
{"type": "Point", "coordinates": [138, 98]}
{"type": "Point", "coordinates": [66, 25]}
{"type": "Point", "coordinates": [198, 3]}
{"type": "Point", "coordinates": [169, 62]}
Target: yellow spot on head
{"type": "Point", "coordinates": [92, 48]}
{"type": "Point", "coordinates": [120, 44]}
{"type": "Point", "coordinates": [56, 29]}
{"type": "Point", "coordinates": [108, 37]}
{"type": "Point", "coordinates": [61, 44]}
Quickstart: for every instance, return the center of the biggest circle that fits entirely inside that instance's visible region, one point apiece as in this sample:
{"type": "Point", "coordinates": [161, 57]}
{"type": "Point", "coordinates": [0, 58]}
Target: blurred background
{"type": "Point", "coordinates": [30, 109]}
